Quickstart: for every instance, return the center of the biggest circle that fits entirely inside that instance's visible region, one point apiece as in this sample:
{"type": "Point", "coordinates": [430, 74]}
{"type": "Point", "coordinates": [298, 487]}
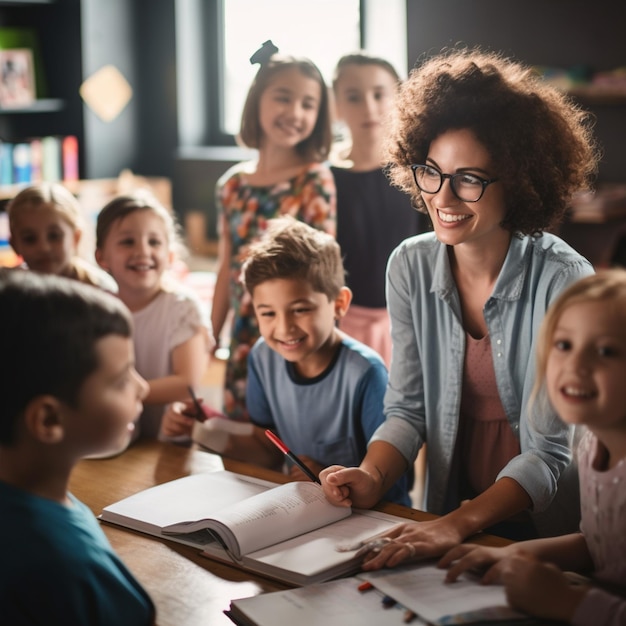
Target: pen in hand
{"type": "Point", "coordinates": [290, 455]}
{"type": "Point", "coordinates": [200, 415]}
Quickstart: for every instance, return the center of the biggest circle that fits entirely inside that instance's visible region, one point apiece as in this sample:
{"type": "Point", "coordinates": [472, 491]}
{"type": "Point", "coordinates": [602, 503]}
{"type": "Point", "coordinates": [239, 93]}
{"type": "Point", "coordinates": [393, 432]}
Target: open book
{"type": "Point", "coordinates": [289, 532]}
{"type": "Point", "coordinates": [419, 588]}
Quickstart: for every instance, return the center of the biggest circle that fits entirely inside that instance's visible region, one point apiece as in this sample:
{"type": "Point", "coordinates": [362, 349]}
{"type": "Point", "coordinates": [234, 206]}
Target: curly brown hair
{"type": "Point", "coordinates": [541, 143]}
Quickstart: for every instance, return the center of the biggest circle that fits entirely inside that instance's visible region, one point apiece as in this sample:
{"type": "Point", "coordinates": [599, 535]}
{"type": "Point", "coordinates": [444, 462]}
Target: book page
{"type": "Point", "coordinates": [316, 552]}
{"type": "Point", "coordinates": [192, 498]}
{"type": "Point", "coordinates": [422, 589]}
{"type": "Point", "coordinates": [278, 514]}
{"type": "Point", "coordinates": [336, 602]}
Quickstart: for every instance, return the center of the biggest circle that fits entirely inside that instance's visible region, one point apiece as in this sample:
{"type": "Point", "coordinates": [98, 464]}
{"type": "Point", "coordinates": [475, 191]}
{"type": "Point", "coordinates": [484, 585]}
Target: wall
{"type": "Point", "coordinates": [559, 33]}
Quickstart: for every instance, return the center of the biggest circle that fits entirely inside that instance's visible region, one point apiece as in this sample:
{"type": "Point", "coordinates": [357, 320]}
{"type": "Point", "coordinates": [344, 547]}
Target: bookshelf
{"type": "Point", "coordinates": [52, 30]}
{"type": "Point", "coordinates": [73, 39]}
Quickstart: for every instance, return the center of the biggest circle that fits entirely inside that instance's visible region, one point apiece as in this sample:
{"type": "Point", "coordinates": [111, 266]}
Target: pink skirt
{"type": "Point", "coordinates": [371, 327]}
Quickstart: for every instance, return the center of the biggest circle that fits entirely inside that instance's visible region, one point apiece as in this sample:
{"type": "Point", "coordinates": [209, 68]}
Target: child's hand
{"type": "Point", "coordinates": [468, 557]}
{"type": "Point", "coordinates": [540, 589]}
{"type": "Point", "coordinates": [178, 419]}
{"type": "Point", "coordinates": [297, 474]}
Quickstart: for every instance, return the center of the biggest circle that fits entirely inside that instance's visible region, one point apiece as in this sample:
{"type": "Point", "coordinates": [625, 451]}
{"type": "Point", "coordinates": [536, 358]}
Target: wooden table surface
{"type": "Point", "coordinates": [187, 589]}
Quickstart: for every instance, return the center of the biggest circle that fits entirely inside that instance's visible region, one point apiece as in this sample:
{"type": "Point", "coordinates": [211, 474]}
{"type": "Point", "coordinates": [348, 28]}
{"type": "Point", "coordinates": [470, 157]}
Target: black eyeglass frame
{"type": "Point", "coordinates": [485, 182]}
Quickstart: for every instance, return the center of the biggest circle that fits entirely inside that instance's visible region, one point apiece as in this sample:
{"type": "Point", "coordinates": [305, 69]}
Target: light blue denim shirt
{"type": "Point", "coordinates": [423, 398]}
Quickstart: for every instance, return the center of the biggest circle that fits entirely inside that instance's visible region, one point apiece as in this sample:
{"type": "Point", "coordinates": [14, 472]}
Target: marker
{"type": "Point", "coordinates": [200, 414]}
{"type": "Point", "coordinates": [409, 616]}
{"type": "Point", "coordinates": [289, 454]}
{"type": "Point", "coordinates": [388, 602]}
{"type": "Point", "coordinates": [366, 586]}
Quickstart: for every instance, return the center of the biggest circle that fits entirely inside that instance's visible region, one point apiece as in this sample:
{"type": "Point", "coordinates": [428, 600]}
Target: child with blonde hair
{"type": "Point", "coordinates": [136, 240]}
{"type": "Point", "coordinates": [46, 227]}
{"type": "Point", "coordinates": [581, 367]}
{"type": "Point", "coordinates": [286, 118]}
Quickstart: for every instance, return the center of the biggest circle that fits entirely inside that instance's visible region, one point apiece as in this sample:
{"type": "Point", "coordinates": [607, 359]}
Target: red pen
{"type": "Point", "coordinates": [288, 453]}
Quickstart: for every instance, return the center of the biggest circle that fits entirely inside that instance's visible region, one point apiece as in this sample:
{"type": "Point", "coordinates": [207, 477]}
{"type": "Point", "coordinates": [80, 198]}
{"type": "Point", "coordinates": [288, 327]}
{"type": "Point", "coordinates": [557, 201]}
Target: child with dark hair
{"type": "Point", "coordinates": [320, 390]}
{"type": "Point", "coordinates": [72, 391]}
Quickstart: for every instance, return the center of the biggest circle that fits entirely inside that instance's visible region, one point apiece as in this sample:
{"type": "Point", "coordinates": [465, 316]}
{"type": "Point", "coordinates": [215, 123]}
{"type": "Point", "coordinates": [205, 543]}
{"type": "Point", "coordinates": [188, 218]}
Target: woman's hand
{"type": "Point", "coordinates": [413, 541]}
{"type": "Point", "coordinates": [349, 486]}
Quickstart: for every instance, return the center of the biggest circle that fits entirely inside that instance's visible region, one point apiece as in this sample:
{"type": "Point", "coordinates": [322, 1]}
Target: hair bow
{"type": "Point", "coordinates": [263, 54]}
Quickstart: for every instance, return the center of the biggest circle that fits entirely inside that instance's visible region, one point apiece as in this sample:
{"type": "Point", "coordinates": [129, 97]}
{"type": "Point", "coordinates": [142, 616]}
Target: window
{"type": "Point", "coordinates": [216, 38]}
{"type": "Point", "coordinates": [322, 30]}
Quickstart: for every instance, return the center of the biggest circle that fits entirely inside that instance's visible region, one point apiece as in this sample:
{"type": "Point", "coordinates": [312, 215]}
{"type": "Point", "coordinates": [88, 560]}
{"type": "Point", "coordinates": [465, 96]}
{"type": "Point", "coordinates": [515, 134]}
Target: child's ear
{"type": "Point", "coordinates": [42, 418]}
{"type": "Point", "coordinates": [78, 233]}
{"type": "Point", "coordinates": [342, 302]}
{"type": "Point", "coordinates": [100, 259]}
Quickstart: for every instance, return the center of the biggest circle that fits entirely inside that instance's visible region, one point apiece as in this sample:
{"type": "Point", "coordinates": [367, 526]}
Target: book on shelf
{"type": "Point", "coordinates": [6, 163]}
{"type": "Point", "coordinates": [288, 532]}
{"type": "Point", "coordinates": [51, 159]}
{"type": "Point", "coordinates": [418, 591]}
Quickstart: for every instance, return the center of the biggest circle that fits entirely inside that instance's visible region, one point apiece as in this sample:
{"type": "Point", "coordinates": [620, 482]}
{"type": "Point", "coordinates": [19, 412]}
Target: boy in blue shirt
{"type": "Point", "coordinates": [71, 390]}
{"type": "Point", "coordinates": [319, 390]}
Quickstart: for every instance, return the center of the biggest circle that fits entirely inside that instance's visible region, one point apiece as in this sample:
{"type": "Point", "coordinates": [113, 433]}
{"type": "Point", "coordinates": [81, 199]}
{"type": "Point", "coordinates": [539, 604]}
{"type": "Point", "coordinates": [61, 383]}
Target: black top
{"type": "Point", "coordinates": [373, 217]}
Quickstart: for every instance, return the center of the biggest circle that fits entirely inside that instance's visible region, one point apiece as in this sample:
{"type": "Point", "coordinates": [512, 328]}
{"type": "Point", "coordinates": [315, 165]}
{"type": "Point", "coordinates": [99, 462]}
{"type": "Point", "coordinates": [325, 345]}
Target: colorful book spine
{"type": "Point", "coordinates": [6, 163]}
{"type": "Point", "coordinates": [21, 163]}
{"type": "Point", "coordinates": [69, 151]}
{"type": "Point", "coordinates": [51, 164]}
{"type": "Point", "coordinates": [38, 159]}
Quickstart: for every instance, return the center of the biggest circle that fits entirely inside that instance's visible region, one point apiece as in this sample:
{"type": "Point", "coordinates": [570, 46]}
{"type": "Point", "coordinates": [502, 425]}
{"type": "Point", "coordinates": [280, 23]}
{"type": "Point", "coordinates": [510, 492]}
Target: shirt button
{"type": "Point", "coordinates": [499, 355]}
{"type": "Point", "coordinates": [499, 341]}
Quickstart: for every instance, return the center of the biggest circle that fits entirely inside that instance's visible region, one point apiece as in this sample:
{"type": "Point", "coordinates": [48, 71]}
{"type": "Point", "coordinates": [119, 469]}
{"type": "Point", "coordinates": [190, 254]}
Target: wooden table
{"type": "Point", "coordinates": [188, 589]}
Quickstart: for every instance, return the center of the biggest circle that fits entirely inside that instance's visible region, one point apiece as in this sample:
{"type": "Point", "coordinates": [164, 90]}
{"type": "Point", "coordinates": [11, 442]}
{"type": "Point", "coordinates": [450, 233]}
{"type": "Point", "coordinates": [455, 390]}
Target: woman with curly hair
{"type": "Point", "coordinates": [493, 155]}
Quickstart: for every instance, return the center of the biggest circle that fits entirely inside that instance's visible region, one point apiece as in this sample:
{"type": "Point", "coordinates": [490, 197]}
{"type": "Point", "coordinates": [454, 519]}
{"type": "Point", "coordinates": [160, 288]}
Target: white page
{"type": "Point", "coordinates": [278, 514]}
{"type": "Point", "coordinates": [422, 589]}
{"type": "Point", "coordinates": [189, 498]}
{"type": "Point", "coordinates": [317, 550]}
{"type": "Point", "coordinates": [336, 603]}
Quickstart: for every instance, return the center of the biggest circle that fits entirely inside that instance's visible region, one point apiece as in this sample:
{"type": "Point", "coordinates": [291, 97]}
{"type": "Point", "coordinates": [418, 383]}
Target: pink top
{"type": "Point", "coordinates": [486, 442]}
{"type": "Point", "coordinates": [603, 509]}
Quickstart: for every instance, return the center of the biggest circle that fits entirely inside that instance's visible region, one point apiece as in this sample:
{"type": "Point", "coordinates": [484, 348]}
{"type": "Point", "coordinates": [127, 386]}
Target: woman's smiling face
{"type": "Point", "coordinates": [455, 221]}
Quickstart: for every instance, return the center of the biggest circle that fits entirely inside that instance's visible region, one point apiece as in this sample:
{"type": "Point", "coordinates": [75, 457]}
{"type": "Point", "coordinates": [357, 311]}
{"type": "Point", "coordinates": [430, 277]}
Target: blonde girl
{"type": "Point", "coordinates": [286, 118]}
{"type": "Point", "coordinates": [373, 217]}
{"type": "Point", "coordinates": [46, 226]}
{"type": "Point", "coordinates": [581, 366]}
{"type": "Point", "coordinates": [136, 240]}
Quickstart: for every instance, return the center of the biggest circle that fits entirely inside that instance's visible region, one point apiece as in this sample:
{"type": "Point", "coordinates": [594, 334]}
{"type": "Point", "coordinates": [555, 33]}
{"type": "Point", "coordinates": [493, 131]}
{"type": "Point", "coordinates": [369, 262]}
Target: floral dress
{"type": "Point", "coordinates": [310, 197]}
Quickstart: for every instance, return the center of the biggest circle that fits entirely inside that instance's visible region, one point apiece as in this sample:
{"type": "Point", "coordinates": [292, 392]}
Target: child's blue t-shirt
{"type": "Point", "coordinates": [329, 418]}
{"type": "Point", "coordinates": [57, 567]}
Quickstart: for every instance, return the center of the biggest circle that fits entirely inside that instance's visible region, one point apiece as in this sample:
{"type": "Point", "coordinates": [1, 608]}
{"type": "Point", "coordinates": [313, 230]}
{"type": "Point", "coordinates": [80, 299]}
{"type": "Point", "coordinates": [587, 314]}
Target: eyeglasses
{"type": "Point", "coordinates": [466, 187]}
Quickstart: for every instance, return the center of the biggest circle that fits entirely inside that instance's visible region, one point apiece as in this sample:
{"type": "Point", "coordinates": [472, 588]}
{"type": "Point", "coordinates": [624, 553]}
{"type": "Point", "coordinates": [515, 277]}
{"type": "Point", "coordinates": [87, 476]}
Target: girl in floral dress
{"type": "Point", "coordinates": [286, 118]}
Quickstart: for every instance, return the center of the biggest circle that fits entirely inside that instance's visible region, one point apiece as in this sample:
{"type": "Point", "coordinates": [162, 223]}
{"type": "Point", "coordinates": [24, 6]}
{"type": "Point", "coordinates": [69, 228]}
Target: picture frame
{"type": "Point", "coordinates": [17, 78]}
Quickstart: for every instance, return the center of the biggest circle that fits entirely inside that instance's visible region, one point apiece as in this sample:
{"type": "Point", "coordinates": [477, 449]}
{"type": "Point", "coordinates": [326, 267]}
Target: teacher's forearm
{"type": "Point", "coordinates": [505, 498]}
{"type": "Point", "coordinates": [386, 464]}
